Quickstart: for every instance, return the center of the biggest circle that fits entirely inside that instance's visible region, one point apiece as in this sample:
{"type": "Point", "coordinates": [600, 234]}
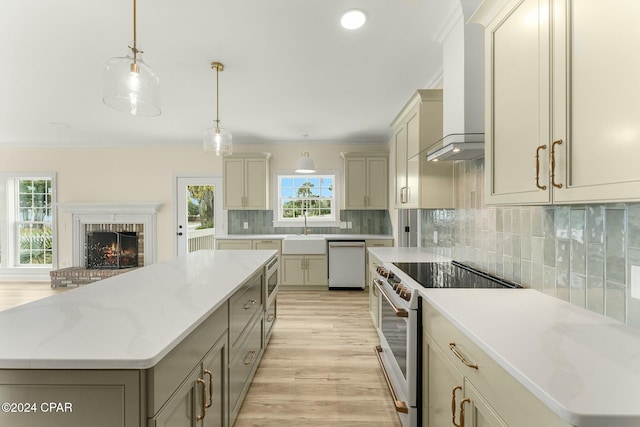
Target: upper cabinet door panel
{"type": "Point", "coordinates": [596, 55]}
{"type": "Point", "coordinates": [518, 66]}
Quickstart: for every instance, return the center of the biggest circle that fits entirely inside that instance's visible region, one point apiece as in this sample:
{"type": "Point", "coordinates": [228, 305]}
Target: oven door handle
{"type": "Point", "coordinates": [400, 312]}
{"type": "Point", "coordinates": [400, 405]}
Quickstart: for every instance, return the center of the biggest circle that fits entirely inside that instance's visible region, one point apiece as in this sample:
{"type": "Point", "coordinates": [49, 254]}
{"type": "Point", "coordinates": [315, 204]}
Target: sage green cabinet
{"type": "Point", "coordinates": [233, 244]}
{"type": "Point", "coordinates": [420, 184]}
{"type": "Point", "coordinates": [366, 181]}
{"type": "Point", "coordinates": [202, 399]}
{"type": "Point", "coordinates": [305, 270]}
{"type": "Point", "coordinates": [462, 380]}
{"type": "Point", "coordinates": [554, 132]}
{"type": "Point", "coordinates": [71, 398]}
{"type": "Point", "coordinates": [246, 181]}
{"type": "Point", "coordinates": [246, 244]}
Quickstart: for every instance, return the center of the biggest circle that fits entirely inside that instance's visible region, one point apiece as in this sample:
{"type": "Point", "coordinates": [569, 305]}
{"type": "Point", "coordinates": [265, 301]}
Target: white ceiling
{"type": "Point", "coordinates": [290, 69]}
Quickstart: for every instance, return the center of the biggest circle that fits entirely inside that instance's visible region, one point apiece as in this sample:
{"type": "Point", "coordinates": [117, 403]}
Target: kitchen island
{"type": "Point", "coordinates": [139, 348]}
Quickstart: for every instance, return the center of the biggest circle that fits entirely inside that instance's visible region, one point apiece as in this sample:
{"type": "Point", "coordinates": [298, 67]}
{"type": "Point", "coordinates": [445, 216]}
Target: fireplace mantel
{"type": "Point", "coordinates": [114, 213]}
{"type": "Point", "coordinates": [112, 208]}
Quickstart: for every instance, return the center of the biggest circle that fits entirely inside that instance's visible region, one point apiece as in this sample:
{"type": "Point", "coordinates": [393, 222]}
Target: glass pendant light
{"type": "Point", "coordinates": [217, 138]}
{"type": "Point", "coordinates": [130, 85]}
{"type": "Point", "coordinates": [305, 164]}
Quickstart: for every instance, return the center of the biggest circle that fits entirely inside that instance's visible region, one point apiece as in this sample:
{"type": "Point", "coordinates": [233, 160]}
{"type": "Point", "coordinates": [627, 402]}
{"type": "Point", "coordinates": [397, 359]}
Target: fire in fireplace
{"type": "Point", "coordinates": [112, 249]}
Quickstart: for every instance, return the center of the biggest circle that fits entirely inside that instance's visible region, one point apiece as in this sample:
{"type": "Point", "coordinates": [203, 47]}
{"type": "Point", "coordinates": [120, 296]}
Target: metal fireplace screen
{"type": "Point", "coordinates": [112, 249]}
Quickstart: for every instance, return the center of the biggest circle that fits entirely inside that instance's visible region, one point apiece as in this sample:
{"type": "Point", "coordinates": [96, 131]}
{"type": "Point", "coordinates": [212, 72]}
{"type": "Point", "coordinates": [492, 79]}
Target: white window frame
{"type": "Point", "coordinates": [279, 221]}
{"type": "Point", "coordinates": [10, 267]}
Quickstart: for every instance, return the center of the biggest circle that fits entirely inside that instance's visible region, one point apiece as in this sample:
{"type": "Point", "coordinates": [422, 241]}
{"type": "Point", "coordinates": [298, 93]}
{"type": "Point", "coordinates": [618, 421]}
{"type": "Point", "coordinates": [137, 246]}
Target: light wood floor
{"type": "Point", "coordinates": [13, 294]}
{"type": "Point", "coordinates": [320, 369]}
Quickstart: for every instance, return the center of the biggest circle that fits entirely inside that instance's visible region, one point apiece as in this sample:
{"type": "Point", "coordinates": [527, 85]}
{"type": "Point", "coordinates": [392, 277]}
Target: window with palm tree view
{"type": "Point", "coordinates": [311, 193]}
{"type": "Point", "coordinates": [33, 223]}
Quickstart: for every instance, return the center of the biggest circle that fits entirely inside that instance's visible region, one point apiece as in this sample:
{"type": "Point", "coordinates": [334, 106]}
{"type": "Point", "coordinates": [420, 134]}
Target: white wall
{"type": "Point", "coordinates": [144, 174]}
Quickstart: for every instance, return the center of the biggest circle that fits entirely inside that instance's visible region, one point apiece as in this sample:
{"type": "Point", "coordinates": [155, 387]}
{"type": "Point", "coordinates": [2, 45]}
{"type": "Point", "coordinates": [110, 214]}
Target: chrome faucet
{"type": "Point", "coordinates": [304, 214]}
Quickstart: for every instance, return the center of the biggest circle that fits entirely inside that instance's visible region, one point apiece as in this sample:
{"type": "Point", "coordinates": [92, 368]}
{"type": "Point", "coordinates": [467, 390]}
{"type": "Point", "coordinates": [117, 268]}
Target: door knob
{"type": "Point", "coordinates": [180, 233]}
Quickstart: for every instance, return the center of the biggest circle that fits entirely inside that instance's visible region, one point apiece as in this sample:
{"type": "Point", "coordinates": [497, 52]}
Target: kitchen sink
{"type": "Point", "coordinates": [301, 244]}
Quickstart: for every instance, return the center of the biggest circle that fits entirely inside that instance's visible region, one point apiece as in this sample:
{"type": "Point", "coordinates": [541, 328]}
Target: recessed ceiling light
{"type": "Point", "coordinates": [353, 19]}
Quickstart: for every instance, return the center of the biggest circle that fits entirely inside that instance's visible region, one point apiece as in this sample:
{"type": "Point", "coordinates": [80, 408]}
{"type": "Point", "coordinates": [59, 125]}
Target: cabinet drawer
{"type": "Point", "coordinates": [243, 359]}
{"type": "Point", "coordinates": [243, 305]}
{"type": "Point", "coordinates": [516, 405]}
{"type": "Point", "coordinates": [164, 378]}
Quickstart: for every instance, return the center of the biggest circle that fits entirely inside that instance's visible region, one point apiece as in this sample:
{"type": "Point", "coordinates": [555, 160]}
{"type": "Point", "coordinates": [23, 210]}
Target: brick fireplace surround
{"type": "Point", "coordinates": [138, 217]}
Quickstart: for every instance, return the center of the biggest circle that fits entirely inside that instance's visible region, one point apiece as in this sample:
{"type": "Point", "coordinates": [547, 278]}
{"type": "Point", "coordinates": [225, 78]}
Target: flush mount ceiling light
{"type": "Point", "coordinates": [353, 19]}
{"type": "Point", "coordinates": [305, 164]}
{"type": "Point", "coordinates": [130, 85]}
{"type": "Point", "coordinates": [217, 138]}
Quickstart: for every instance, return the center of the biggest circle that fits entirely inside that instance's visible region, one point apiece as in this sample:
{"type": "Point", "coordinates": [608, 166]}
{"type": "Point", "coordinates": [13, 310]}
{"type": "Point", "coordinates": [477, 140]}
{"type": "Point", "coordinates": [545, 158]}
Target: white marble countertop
{"type": "Point", "coordinates": [125, 322]}
{"type": "Point", "coordinates": [584, 366]}
{"type": "Point", "coordinates": [325, 236]}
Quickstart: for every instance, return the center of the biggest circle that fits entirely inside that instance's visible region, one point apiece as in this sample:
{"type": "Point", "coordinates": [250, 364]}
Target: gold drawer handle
{"type": "Point", "coordinates": [270, 318]}
{"type": "Point", "coordinates": [251, 354]}
{"type": "Point", "coordinates": [249, 304]}
{"type": "Point", "coordinates": [452, 347]}
{"type": "Point", "coordinates": [541, 147]}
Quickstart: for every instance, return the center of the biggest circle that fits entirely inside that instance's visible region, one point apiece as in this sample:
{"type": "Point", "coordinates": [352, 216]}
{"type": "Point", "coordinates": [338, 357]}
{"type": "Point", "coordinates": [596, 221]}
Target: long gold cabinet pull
{"type": "Point", "coordinates": [210, 375]}
{"type": "Point", "coordinates": [204, 400]}
{"type": "Point", "coordinates": [541, 147]}
{"type": "Point", "coordinates": [553, 163]}
{"type": "Point", "coordinates": [453, 407]}
{"type": "Point", "coordinates": [454, 349]}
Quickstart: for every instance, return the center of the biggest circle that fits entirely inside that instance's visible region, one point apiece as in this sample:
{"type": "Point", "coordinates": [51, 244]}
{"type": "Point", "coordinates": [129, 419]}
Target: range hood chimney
{"type": "Point", "coordinates": [457, 146]}
{"type": "Point", "coordinates": [463, 86]}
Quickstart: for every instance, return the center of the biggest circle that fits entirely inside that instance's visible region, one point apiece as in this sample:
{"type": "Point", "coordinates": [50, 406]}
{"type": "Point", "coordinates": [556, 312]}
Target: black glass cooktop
{"type": "Point", "coordinates": [451, 275]}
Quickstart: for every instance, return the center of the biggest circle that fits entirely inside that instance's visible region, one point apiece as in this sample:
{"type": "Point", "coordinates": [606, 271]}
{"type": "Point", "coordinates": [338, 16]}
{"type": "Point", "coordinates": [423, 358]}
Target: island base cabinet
{"type": "Point", "coordinates": [70, 398]}
{"type": "Point", "coordinates": [202, 399]}
{"type": "Point", "coordinates": [182, 409]}
{"type": "Point", "coordinates": [244, 362]}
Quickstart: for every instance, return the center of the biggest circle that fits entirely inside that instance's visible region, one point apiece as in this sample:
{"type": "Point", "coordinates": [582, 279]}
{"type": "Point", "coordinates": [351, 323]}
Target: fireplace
{"type": "Point", "coordinates": [112, 249]}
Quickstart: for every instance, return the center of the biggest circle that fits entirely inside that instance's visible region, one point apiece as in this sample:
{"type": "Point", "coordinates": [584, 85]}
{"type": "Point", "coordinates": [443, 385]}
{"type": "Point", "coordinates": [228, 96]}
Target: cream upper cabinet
{"type": "Point", "coordinates": [246, 181]}
{"type": "Point", "coordinates": [418, 183]}
{"type": "Point", "coordinates": [366, 180]}
{"type": "Point", "coordinates": [561, 93]}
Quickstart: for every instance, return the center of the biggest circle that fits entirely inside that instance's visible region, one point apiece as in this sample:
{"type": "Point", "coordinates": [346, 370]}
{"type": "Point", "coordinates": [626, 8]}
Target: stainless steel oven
{"type": "Point", "coordinates": [272, 278]}
{"type": "Point", "coordinates": [398, 349]}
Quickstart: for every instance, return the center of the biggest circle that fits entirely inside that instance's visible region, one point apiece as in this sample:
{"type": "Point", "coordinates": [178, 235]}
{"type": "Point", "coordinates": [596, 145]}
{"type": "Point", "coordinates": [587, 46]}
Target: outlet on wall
{"type": "Point", "coordinates": [245, 225]}
{"type": "Point", "coordinates": [435, 236]}
{"type": "Point", "coordinates": [343, 224]}
{"type": "Point", "coordinates": [349, 224]}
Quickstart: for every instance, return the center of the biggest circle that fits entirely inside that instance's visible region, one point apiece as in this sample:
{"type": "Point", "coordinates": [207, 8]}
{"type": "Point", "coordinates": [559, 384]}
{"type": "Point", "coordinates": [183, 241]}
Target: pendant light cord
{"type": "Point", "coordinates": [134, 48]}
{"type": "Point", "coordinates": [217, 99]}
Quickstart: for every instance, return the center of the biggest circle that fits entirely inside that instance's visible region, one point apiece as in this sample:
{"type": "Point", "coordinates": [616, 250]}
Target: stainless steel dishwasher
{"type": "Point", "coordinates": [346, 264]}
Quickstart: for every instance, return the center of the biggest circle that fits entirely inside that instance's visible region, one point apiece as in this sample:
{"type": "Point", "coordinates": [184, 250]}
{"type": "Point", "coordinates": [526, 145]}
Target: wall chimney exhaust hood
{"type": "Point", "coordinates": [457, 146]}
